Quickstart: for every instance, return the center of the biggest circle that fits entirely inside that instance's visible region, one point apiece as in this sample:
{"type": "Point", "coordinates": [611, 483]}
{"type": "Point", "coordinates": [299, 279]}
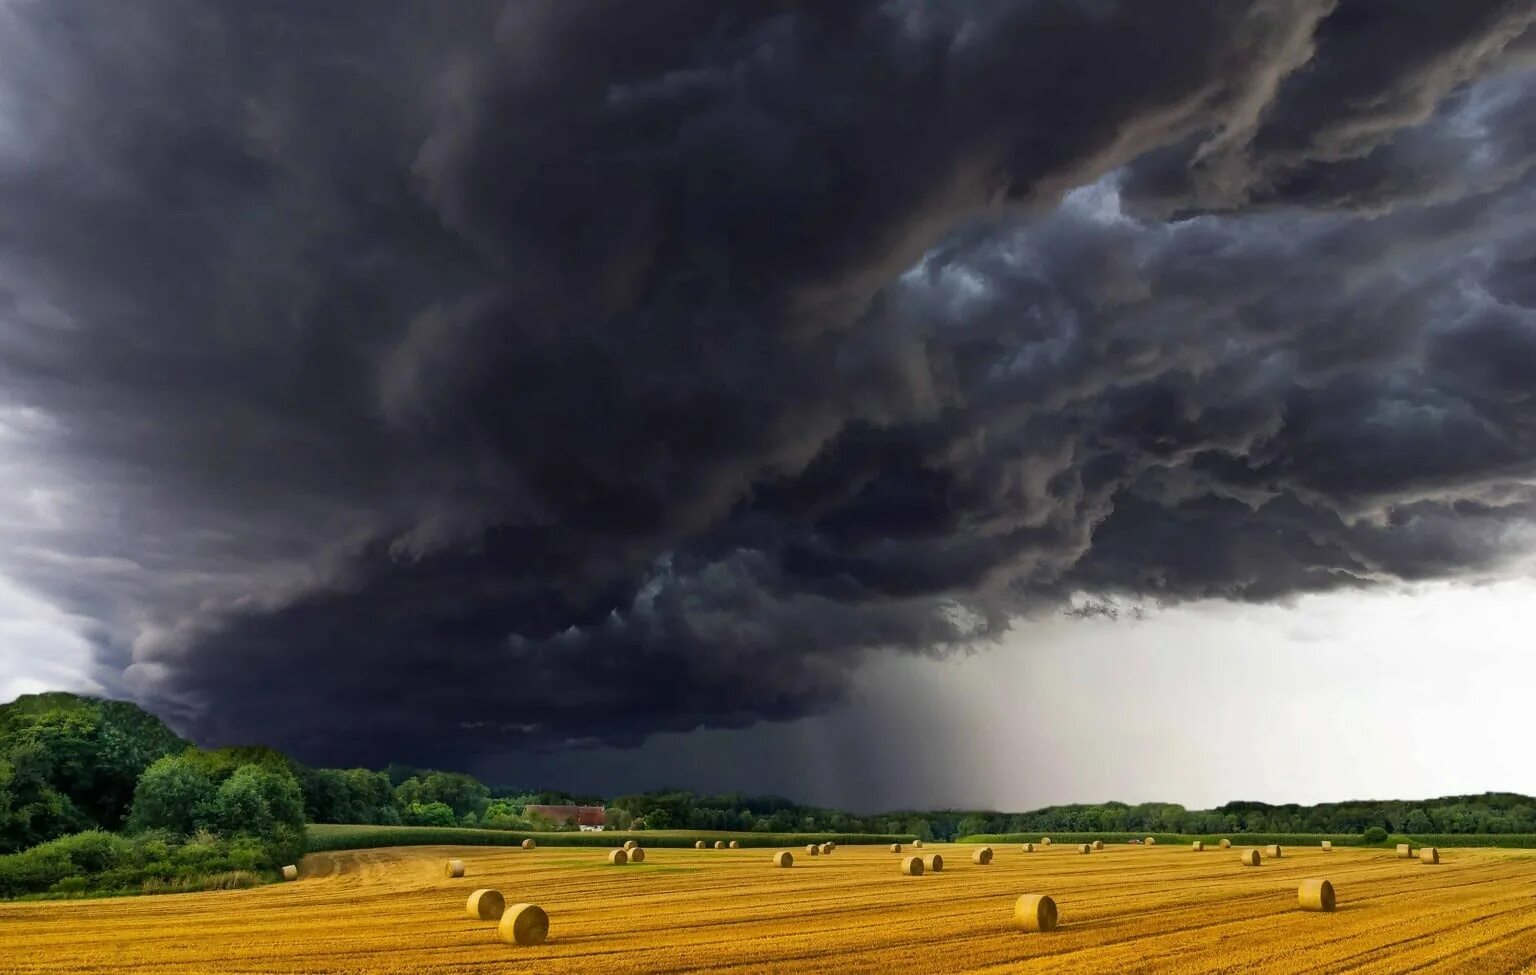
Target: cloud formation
{"type": "Point", "coordinates": [383, 385]}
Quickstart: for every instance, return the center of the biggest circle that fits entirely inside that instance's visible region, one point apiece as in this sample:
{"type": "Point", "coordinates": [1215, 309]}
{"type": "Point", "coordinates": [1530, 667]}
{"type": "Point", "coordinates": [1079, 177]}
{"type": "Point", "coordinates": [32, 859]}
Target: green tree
{"type": "Point", "coordinates": [428, 814]}
{"type": "Point", "coordinates": [460, 793]}
{"type": "Point", "coordinates": [255, 800]}
{"type": "Point", "coordinates": [173, 794]}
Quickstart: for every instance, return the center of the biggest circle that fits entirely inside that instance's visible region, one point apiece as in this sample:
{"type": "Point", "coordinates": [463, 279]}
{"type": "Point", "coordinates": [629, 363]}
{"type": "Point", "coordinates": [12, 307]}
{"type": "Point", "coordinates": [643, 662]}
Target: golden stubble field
{"type": "Point", "coordinates": [1125, 909]}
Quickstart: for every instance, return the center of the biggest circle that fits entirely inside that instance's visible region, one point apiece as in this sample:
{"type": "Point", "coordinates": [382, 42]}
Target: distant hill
{"type": "Point", "coordinates": [69, 763]}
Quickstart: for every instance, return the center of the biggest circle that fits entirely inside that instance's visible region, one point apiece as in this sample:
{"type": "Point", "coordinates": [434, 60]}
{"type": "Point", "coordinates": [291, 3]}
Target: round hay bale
{"type": "Point", "coordinates": [485, 905]}
{"type": "Point", "coordinates": [719, 844]}
{"type": "Point", "coordinates": [1035, 912]}
{"type": "Point", "coordinates": [1327, 846]}
{"type": "Point", "coordinates": [895, 847]}
{"type": "Point", "coordinates": [1098, 844]}
{"type": "Point", "coordinates": [826, 849]}
{"type": "Point", "coordinates": [1029, 847]}
{"type": "Point", "coordinates": [1084, 848]}
{"type": "Point", "coordinates": [1197, 846]}
{"type": "Point", "coordinates": [290, 872]}
{"type": "Point", "coordinates": [917, 844]}
{"type": "Point", "coordinates": [933, 863]}
{"type": "Point", "coordinates": [1045, 841]}
{"type": "Point", "coordinates": [783, 858]}
{"type": "Point", "coordinates": [637, 855]}
{"type": "Point", "coordinates": [912, 866]}
{"type": "Point", "coordinates": [831, 845]}
{"type": "Point", "coordinates": [1150, 841]}
{"type": "Point", "coordinates": [630, 844]}
{"type": "Point", "coordinates": [982, 856]}
{"type": "Point", "coordinates": [1315, 895]}
{"type": "Point", "coordinates": [698, 844]}
{"type": "Point", "coordinates": [1429, 854]}
{"type": "Point", "coordinates": [1225, 844]}
{"type": "Point", "coordinates": [618, 858]}
{"type": "Point", "coordinates": [523, 924]}
{"type": "Point", "coordinates": [1250, 858]}
{"type": "Point", "coordinates": [1273, 851]}
{"type": "Point", "coordinates": [529, 844]}
{"type": "Point", "coordinates": [455, 868]}
{"type": "Point", "coordinates": [1404, 850]}
{"type": "Point", "coordinates": [734, 845]}
{"type": "Point", "coordinates": [811, 849]}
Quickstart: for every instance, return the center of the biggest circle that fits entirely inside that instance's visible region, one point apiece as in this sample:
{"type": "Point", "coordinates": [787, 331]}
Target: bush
{"type": "Point", "coordinates": [429, 814]}
{"type": "Point", "coordinates": [1374, 835]}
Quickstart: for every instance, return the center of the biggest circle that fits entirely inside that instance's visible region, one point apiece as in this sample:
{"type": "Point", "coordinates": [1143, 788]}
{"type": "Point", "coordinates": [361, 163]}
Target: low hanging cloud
{"type": "Point", "coordinates": [383, 384]}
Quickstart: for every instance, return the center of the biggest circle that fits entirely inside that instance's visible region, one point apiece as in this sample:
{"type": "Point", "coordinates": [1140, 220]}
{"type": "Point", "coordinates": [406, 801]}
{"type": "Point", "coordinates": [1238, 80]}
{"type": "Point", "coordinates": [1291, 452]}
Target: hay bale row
{"type": "Point", "coordinates": [454, 868]}
{"type": "Point", "coordinates": [1249, 858]}
{"type": "Point", "coordinates": [1035, 912]}
{"type": "Point", "coordinates": [1315, 895]}
{"type": "Point", "coordinates": [524, 924]}
{"type": "Point", "coordinates": [982, 856]}
{"type": "Point", "coordinates": [485, 905]}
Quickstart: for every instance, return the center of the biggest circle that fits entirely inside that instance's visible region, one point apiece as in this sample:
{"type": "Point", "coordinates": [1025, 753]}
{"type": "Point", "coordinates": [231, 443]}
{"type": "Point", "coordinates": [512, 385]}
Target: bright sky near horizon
{"type": "Point", "coordinates": [1412, 694]}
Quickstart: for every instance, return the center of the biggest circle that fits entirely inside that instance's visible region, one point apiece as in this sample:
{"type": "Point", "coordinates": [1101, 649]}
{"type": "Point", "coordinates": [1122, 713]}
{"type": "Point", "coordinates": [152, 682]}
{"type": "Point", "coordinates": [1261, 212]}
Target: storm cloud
{"type": "Point", "coordinates": [384, 381]}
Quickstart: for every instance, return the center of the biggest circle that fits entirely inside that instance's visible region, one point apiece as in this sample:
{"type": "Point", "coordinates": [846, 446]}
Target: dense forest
{"type": "Point", "coordinates": [101, 796]}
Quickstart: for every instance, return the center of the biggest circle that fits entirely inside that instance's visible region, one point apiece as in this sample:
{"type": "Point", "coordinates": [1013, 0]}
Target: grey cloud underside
{"type": "Point", "coordinates": [394, 385]}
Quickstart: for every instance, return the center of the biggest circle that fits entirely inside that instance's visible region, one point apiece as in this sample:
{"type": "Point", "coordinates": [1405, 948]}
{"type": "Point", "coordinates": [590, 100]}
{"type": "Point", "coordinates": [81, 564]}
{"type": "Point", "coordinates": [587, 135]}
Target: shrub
{"type": "Point", "coordinates": [1374, 835]}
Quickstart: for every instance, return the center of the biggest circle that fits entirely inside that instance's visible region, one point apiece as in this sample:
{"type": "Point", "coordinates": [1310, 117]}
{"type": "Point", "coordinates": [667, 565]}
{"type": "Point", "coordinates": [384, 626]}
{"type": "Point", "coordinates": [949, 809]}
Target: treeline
{"type": "Point", "coordinates": [99, 796]}
{"type": "Point", "coordinates": [1489, 813]}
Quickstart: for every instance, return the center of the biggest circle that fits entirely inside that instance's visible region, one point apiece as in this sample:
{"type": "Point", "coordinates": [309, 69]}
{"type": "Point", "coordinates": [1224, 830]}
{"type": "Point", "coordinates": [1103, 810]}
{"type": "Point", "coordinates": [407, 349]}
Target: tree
{"type": "Point", "coordinates": [428, 814]}
{"type": "Point", "coordinates": [255, 800]}
{"type": "Point", "coordinates": [460, 793]}
{"type": "Point", "coordinates": [75, 763]}
{"type": "Point", "coordinates": [173, 794]}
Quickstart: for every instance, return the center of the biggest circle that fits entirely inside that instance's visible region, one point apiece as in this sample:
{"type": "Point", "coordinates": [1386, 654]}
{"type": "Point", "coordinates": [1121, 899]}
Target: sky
{"type": "Point", "coordinates": [878, 403]}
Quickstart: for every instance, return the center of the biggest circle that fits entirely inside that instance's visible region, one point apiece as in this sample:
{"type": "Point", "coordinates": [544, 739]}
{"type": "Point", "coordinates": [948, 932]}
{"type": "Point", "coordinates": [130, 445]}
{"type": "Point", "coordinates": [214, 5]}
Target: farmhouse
{"type": "Point", "coordinates": [589, 818]}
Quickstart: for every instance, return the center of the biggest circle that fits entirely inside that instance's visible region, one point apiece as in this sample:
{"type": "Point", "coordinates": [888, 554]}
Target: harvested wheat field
{"type": "Point", "coordinates": [1123, 910]}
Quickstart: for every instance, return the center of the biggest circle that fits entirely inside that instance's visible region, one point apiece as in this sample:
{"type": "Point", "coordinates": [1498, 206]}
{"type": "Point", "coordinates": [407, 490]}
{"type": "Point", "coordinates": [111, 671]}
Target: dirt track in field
{"type": "Point", "coordinates": [1126, 909]}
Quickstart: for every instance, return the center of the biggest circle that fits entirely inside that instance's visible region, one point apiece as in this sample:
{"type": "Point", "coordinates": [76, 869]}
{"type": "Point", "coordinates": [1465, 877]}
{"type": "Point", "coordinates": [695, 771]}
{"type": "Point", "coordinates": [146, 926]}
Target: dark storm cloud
{"type": "Point", "coordinates": [379, 383]}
